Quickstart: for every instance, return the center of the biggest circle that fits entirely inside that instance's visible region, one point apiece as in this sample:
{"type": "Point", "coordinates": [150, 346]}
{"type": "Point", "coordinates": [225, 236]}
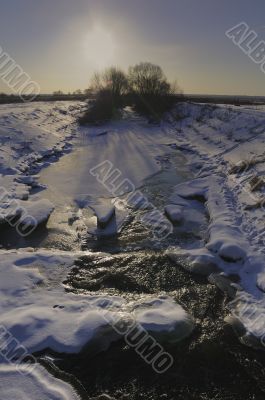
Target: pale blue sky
{"type": "Point", "coordinates": [60, 43]}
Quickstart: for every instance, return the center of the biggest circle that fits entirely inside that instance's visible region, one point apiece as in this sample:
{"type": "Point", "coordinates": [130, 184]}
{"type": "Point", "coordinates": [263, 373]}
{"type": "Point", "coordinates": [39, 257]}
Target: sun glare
{"type": "Point", "coordinates": [99, 47]}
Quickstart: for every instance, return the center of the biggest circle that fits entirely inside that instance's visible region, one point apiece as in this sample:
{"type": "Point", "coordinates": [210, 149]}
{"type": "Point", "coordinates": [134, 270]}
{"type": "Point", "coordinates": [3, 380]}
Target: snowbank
{"type": "Point", "coordinates": [18, 383]}
{"type": "Point", "coordinates": [41, 315]}
{"type": "Point", "coordinates": [225, 236]}
{"type": "Point", "coordinates": [215, 139]}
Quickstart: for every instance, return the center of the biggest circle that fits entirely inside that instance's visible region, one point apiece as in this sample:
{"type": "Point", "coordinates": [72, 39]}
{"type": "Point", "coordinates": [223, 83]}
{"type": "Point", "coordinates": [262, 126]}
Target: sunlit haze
{"type": "Point", "coordinates": [60, 43]}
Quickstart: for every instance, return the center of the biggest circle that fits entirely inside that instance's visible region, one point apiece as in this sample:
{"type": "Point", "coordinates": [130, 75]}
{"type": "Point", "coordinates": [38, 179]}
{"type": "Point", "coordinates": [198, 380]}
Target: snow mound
{"type": "Point", "coordinates": [20, 383]}
{"type": "Point", "coordinates": [16, 280]}
{"type": "Point", "coordinates": [36, 212]}
{"type": "Point", "coordinates": [37, 311]}
{"type": "Point", "coordinates": [164, 316]}
{"type": "Point", "coordinates": [225, 236]}
{"type": "Point", "coordinates": [174, 213]}
{"type": "Point", "coordinates": [65, 324]}
{"type": "Point", "coordinates": [40, 316]}
{"type": "Point", "coordinates": [198, 261]}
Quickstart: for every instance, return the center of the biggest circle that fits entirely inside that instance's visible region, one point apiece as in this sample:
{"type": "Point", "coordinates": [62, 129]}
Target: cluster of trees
{"type": "Point", "coordinates": [145, 87]}
{"type": "Point", "coordinates": [77, 92]}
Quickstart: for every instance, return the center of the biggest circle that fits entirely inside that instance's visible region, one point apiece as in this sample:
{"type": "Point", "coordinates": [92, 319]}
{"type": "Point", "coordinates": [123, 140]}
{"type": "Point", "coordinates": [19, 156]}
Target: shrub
{"type": "Point", "coordinates": [146, 89]}
{"type": "Point", "coordinates": [151, 93]}
{"type": "Point", "coordinates": [148, 79]}
{"type": "Point", "coordinates": [112, 79]}
{"type": "Point", "coordinates": [102, 109]}
{"type": "Point", "coordinates": [109, 86]}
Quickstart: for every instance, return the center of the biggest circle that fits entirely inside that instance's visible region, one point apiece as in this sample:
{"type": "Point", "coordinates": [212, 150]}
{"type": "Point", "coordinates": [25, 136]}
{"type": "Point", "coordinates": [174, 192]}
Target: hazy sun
{"type": "Point", "coordinates": [99, 47]}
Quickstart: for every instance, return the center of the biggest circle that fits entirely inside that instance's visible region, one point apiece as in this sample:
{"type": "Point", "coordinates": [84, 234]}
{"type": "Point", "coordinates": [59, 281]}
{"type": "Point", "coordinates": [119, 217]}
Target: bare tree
{"type": "Point", "coordinates": [175, 90]}
{"type": "Point", "coordinates": [150, 91]}
{"type": "Point", "coordinates": [112, 79]}
{"type": "Point", "coordinates": [109, 88]}
{"type": "Point", "coordinates": [148, 79]}
{"type": "Point", "coordinates": [146, 89]}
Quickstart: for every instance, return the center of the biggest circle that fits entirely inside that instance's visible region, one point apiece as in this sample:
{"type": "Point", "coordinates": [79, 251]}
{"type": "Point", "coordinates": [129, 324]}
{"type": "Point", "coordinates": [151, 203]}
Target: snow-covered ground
{"type": "Point", "coordinates": [225, 152]}
{"type": "Point", "coordinates": [18, 384]}
{"type": "Point", "coordinates": [31, 136]}
{"type": "Point", "coordinates": [226, 149]}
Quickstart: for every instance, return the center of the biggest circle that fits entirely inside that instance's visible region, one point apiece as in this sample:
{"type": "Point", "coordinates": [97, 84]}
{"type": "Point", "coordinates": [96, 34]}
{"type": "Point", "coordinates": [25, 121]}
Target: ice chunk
{"type": "Point", "coordinates": [104, 214]}
{"type": "Point", "coordinates": [36, 212]}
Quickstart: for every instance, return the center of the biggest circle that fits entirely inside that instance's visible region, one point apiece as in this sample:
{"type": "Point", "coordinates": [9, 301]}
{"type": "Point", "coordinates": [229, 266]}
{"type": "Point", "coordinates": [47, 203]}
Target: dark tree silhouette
{"type": "Point", "coordinates": [148, 79]}
{"type": "Point", "coordinates": [113, 80]}
{"type": "Point", "coordinates": [151, 93]}
{"type": "Point", "coordinates": [146, 88]}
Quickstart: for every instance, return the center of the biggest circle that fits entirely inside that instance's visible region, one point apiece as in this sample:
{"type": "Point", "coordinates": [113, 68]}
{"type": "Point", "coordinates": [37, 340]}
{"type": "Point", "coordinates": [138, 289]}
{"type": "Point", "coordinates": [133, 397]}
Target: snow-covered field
{"type": "Point", "coordinates": [45, 164]}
